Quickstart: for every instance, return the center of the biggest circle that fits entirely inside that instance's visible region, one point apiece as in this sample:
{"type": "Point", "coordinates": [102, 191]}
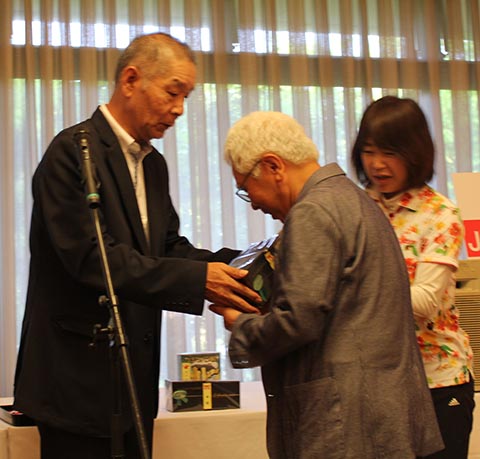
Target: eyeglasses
{"type": "Point", "coordinates": [241, 192]}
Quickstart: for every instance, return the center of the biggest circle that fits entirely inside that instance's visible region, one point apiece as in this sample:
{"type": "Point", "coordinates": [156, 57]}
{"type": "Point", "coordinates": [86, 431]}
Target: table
{"type": "Point", "coordinates": [217, 434]}
{"type": "Point", "coordinates": [231, 434]}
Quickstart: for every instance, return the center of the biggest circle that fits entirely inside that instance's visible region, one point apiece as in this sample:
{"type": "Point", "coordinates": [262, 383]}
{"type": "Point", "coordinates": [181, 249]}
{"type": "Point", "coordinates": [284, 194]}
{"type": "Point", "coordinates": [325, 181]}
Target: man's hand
{"type": "Point", "coordinates": [230, 315]}
{"type": "Point", "coordinates": [223, 288]}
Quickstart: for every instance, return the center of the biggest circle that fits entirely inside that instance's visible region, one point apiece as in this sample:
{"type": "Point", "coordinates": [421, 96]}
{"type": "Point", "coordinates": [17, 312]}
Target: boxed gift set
{"type": "Point", "coordinates": [199, 366]}
{"type": "Point", "coordinates": [202, 395]}
{"type": "Point", "coordinates": [199, 386]}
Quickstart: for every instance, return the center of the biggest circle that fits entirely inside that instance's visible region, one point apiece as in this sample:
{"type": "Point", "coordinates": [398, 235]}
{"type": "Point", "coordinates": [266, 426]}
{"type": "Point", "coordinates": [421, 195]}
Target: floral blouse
{"type": "Point", "coordinates": [430, 230]}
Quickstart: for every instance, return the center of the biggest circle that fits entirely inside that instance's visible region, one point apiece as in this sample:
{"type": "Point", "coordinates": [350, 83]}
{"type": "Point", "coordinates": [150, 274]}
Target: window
{"type": "Point", "coordinates": [320, 61]}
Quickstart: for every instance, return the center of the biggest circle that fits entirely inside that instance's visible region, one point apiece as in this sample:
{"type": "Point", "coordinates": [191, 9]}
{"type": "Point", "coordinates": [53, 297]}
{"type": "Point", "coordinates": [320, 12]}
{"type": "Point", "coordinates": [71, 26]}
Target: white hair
{"type": "Point", "coordinates": [267, 132]}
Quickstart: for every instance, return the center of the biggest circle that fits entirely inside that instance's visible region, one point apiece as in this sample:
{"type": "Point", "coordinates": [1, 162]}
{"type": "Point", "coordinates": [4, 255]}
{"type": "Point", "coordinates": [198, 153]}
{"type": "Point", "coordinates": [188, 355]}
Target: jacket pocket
{"type": "Point", "coordinates": [313, 420]}
{"type": "Point", "coordinates": [80, 327]}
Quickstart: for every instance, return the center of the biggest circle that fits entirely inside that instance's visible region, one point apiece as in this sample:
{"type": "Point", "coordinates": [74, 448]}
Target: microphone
{"type": "Point", "coordinates": [82, 139]}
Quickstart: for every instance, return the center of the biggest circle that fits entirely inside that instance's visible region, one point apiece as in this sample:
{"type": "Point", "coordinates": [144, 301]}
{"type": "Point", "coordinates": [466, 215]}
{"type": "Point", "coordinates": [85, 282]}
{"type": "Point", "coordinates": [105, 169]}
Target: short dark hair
{"type": "Point", "coordinates": [400, 126]}
{"type": "Point", "coordinates": [153, 53]}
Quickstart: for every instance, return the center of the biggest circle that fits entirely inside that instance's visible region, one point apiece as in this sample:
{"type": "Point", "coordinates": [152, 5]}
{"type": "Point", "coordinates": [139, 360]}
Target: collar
{"type": "Point", "coordinates": [324, 173]}
{"type": "Point", "coordinates": [411, 199]}
{"type": "Point", "coordinates": [127, 142]}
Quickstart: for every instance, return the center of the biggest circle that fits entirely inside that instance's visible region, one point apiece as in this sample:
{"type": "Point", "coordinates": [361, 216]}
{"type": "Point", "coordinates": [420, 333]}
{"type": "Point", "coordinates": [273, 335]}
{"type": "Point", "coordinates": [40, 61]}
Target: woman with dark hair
{"type": "Point", "coordinates": [393, 157]}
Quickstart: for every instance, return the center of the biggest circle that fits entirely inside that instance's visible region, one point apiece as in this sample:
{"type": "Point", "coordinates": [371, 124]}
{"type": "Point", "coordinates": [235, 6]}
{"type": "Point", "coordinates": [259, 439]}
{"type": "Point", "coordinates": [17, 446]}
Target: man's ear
{"type": "Point", "coordinates": [129, 78]}
{"type": "Point", "coordinates": [273, 163]}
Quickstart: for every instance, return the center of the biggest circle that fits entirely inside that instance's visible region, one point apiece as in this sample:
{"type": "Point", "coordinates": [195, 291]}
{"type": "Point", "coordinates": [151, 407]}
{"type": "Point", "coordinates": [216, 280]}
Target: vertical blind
{"type": "Point", "coordinates": [321, 61]}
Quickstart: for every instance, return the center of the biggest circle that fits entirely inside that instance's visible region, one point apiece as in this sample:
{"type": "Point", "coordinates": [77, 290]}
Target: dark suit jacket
{"type": "Point", "coordinates": [59, 379]}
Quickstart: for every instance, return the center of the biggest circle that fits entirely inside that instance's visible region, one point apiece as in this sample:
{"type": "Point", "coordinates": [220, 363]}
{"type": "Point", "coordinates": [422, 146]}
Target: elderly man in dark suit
{"type": "Point", "coordinates": [60, 382]}
{"type": "Point", "coordinates": [340, 362]}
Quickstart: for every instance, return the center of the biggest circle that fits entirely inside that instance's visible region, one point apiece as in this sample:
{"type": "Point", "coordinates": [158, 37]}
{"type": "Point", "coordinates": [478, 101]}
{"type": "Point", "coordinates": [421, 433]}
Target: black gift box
{"type": "Point", "coordinates": [202, 395]}
{"type": "Point", "coordinates": [11, 416]}
{"type": "Point", "coordinates": [259, 260]}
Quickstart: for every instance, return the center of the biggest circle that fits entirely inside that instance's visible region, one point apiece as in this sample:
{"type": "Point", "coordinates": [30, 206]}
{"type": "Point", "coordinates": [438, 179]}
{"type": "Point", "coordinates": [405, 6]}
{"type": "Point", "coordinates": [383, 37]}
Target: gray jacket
{"type": "Point", "coordinates": [340, 362]}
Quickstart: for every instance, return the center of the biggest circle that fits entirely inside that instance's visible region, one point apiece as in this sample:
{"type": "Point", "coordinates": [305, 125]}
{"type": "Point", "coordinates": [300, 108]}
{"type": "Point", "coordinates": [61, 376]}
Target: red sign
{"type": "Point", "coordinates": [472, 237]}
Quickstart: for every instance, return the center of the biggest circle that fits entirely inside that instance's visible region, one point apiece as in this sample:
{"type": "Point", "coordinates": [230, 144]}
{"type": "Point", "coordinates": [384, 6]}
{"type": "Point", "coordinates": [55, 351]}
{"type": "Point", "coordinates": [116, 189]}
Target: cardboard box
{"type": "Point", "coordinates": [199, 366]}
{"type": "Point", "coordinates": [202, 395]}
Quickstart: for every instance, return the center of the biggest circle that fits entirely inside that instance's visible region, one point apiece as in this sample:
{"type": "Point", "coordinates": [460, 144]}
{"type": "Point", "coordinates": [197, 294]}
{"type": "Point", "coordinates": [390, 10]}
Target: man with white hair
{"type": "Point", "coordinates": [340, 363]}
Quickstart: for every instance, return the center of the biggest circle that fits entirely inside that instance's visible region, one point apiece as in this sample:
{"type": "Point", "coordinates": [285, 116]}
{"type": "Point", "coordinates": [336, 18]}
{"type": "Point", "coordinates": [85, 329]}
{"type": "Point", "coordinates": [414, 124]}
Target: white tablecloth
{"type": "Point", "coordinates": [217, 434]}
{"type": "Point", "coordinates": [222, 434]}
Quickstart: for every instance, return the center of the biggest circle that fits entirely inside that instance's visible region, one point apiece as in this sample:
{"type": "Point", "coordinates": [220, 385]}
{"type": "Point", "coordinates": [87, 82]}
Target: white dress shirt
{"type": "Point", "coordinates": [134, 155]}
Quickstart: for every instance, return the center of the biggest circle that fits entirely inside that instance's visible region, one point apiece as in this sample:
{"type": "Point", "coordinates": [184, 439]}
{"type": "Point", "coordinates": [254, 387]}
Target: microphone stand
{"type": "Point", "coordinates": [118, 340]}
